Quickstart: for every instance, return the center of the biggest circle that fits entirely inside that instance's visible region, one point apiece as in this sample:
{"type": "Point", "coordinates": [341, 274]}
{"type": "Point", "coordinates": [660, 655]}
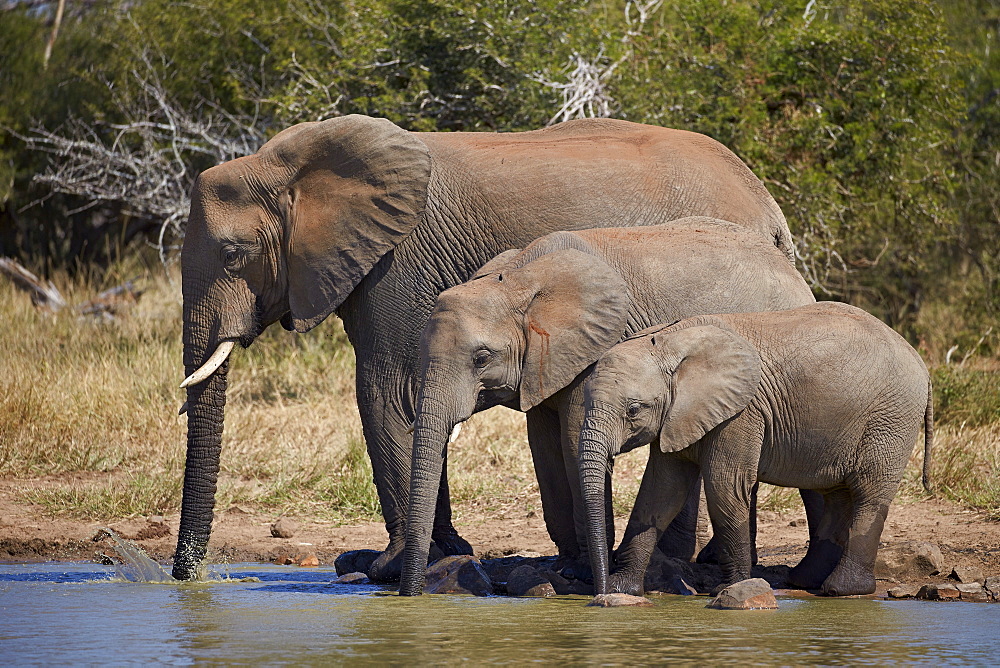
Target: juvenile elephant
{"type": "Point", "coordinates": [521, 331]}
{"type": "Point", "coordinates": [822, 397]}
{"type": "Point", "coordinates": [358, 217]}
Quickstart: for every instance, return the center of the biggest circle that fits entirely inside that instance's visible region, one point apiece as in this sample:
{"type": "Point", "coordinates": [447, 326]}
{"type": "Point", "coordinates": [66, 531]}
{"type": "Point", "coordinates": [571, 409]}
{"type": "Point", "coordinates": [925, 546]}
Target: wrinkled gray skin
{"type": "Point", "coordinates": [822, 397]}
{"type": "Point", "coordinates": [521, 331]}
{"type": "Point", "coordinates": [357, 217]}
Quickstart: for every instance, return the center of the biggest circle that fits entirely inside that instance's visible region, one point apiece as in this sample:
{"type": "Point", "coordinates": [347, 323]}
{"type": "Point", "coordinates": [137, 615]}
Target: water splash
{"type": "Point", "coordinates": [136, 565]}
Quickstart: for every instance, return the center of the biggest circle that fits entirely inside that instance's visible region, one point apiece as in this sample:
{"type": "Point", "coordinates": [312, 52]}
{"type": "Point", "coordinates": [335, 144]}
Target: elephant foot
{"type": "Point", "coordinates": [624, 582]}
{"type": "Point", "coordinates": [816, 566]}
{"type": "Point", "coordinates": [449, 542]}
{"type": "Point", "coordinates": [388, 566]}
{"type": "Point", "coordinates": [848, 581]}
{"type": "Point", "coordinates": [574, 568]}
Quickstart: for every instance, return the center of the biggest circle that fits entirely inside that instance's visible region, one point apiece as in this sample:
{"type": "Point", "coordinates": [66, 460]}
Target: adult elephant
{"type": "Point", "coordinates": [356, 216]}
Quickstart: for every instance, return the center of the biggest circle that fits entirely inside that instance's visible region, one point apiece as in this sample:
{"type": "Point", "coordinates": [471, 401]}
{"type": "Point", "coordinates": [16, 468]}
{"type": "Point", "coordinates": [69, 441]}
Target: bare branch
{"type": "Point", "coordinates": [583, 94]}
{"type": "Point", "coordinates": [146, 164]}
{"type": "Point", "coordinates": [43, 295]}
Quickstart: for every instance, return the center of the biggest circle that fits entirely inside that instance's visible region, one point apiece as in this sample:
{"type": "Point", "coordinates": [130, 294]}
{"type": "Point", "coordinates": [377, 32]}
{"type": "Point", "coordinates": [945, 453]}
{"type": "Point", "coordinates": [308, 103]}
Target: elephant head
{"type": "Point", "coordinates": [671, 384]}
{"type": "Point", "coordinates": [522, 329]}
{"type": "Point", "coordinates": [284, 234]}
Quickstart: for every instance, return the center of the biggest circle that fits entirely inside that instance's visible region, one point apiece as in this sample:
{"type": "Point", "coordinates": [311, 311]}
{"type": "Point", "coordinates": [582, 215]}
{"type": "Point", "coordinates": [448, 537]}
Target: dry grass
{"type": "Point", "coordinates": [101, 399]}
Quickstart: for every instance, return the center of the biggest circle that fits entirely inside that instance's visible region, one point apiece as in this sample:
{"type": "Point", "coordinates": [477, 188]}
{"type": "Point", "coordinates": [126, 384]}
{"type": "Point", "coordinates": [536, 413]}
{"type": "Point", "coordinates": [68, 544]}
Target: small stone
{"type": "Point", "coordinates": [938, 592]}
{"type": "Point", "coordinates": [352, 579]}
{"type": "Point", "coordinates": [309, 560]}
{"type": "Point", "coordinates": [620, 601]}
{"type": "Point", "coordinates": [283, 528]}
{"type": "Point", "coordinates": [903, 591]}
{"type": "Point", "coordinates": [752, 594]}
{"type": "Point", "coordinates": [156, 519]}
{"type": "Point", "coordinates": [284, 559]}
{"type": "Point", "coordinates": [355, 561]}
{"type": "Point", "coordinates": [798, 522]}
{"type": "Point", "coordinates": [526, 581]}
{"type": "Point", "coordinates": [967, 574]}
{"type": "Point", "coordinates": [992, 585]}
{"type": "Point", "coordinates": [914, 559]}
{"type": "Point", "coordinates": [458, 574]}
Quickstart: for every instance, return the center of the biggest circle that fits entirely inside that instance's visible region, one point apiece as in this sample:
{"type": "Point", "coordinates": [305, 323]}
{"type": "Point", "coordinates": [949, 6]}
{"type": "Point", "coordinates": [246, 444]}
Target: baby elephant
{"type": "Point", "coordinates": [822, 397]}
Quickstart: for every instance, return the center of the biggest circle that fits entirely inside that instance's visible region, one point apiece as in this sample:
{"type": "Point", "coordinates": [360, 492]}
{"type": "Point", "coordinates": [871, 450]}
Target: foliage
{"type": "Point", "coordinates": [966, 396]}
{"type": "Point", "coordinates": [873, 124]}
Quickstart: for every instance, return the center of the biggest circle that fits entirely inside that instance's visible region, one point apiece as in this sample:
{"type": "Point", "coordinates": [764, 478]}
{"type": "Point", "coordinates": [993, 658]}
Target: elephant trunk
{"type": "Point", "coordinates": [436, 419]}
{"type": "Point", "coordinates": [595, 454]}
{"type": "Point", "coordinates": [206, 403]}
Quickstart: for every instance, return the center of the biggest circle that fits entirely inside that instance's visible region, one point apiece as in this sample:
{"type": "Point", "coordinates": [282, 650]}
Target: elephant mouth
{"type": "Point", "coordinates": [487, 399]}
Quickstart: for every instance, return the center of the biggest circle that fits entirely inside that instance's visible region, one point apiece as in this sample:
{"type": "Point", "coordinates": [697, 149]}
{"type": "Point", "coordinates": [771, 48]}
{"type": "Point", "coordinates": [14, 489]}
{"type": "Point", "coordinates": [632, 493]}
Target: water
{"type": "Point", "coordinates": [57, 614]}
{"type": "Point", "coordinates": [134, 564]}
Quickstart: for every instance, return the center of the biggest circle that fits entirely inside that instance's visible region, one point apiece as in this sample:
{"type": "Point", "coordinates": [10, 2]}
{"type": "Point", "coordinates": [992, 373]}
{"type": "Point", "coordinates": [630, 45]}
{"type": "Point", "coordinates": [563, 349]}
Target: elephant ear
{"type": "Point", "coordinates": [576, 307]}
{"type": "Point", "coordinates": [359, 188]}
{"type": "Point", "coordinates": [497, 264]}
{"type": "Point", "coordinates": [714, 373]}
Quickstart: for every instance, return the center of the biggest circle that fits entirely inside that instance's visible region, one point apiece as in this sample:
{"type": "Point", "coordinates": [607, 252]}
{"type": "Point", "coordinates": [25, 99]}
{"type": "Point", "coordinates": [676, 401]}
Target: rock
{"type": "Point", "coordinates": [309, 560]}
{"type": "Point", "coordinates": [939, 592]}
{"type": "Point", "coordinates": [352, 579]}
{"type": "Point", "coordinates": [752, 594]}
{"type": "Point", "coordinates": [283, 528]}
{"type": "Point", "coordinates": [564, 587]}
{"type": "Point", "coordinates": [798, 522]}
{"type": "Point", "coordinates": [355, 561]}
{"type": "Point", "coordinates": [527, 581]}
{"type": "Point", "coordinates": [620, 601]}
{"type": "Point", "coordinates": [459, 574]}
{"type": "Point", "coordinates": [903, 591]}
{"type": "Point", "coordinates": [677, 585]}
{"type": "Point", "coordinates": [967, 574]}
{"type": "Point", "coordinates": [283, 559]}
{"type": "Point", "coordinates": [910, 560]}
{"type": "Point", "coordinates": [992, 585]}
{"type": "Point", "coordinates": [973, 591]}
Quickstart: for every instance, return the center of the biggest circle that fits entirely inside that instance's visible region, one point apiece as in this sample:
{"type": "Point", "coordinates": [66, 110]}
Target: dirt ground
{"type": "Point", "coordinates": [239, 535]}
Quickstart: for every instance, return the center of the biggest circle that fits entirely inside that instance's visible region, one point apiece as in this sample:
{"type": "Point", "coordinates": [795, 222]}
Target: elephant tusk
{"type": "Point", "coordinates": [454, 433]}
{"type": "Point", "coordinates": [209, 367]}
{"type": "Point", "coordinates": [184, 409]}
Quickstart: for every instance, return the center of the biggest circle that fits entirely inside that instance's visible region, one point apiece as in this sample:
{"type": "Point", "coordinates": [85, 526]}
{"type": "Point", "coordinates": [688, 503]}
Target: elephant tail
{"type": "Point", "coordinates": [928, 435]}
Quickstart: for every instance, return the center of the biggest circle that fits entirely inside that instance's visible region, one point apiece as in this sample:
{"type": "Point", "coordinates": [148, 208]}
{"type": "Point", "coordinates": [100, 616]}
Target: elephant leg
{"type": "Point", "coordinates": [855, 573]}
{"type": "Point", "coordinates": [680, 539]}
{"type": "Point", "coordinates": [544, 439]}
{"type": "Point", "coordinates": [665, 486]}
{"type": "Point", "coordinates": [827, 538]}
{"type": "Point", "coordinates": [730, 469]}
{"type": "Point", "coordinates": [444, 535]}
{"type": "Point", "coordinates": [387, 433]}
{"type": "Point", "coordinates": [711, 553]}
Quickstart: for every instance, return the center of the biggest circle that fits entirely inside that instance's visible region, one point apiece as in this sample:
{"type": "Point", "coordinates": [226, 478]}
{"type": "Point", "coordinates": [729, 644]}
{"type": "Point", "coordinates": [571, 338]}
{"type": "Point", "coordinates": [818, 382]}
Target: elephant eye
{"type": "Point", "coordinates": [633, 409]}
{"type": "Point", "coordinates": [481, 358]}
{"type": "Point", "coordinates": [230, 257]}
